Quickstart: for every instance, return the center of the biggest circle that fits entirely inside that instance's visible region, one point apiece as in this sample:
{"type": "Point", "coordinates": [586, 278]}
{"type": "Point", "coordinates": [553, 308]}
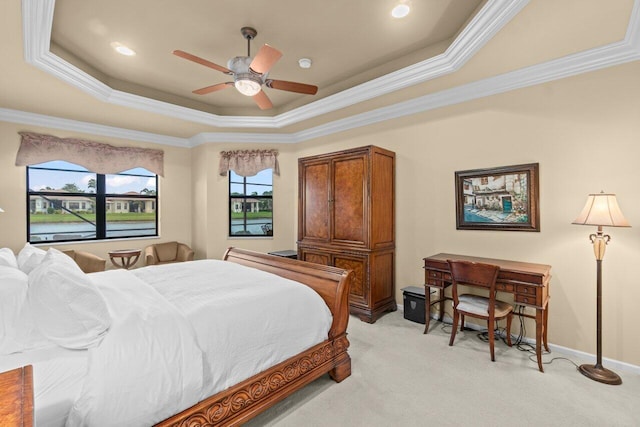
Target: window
{"type": "Point", "coordinates": [251, 204]}
{"type": "Point", "coordinates": [66, 202]}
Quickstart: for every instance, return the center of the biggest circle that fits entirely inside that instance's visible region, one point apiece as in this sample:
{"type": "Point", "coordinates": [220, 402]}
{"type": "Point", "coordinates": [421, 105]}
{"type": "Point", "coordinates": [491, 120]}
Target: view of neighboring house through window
{"type": "Point", "coordinates": [251, 204]}
{"type": "Point", "coordinates": [68, 202]}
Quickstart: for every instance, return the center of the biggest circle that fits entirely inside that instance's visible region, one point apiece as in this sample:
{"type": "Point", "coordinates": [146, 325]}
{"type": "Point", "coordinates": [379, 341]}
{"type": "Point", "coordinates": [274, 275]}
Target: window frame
{"type": "Point", "coordinates": [244, 196]}
{"type": "Point", "coordinates": [100, 196]}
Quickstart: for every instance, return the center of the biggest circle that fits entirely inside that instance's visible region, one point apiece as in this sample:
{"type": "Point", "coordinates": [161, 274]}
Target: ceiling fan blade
{"type": "Point", "coordinates": [292, 86]}
{"type": "Point", "coordinates": [264, 60]}
{"type": "Point", "coordinates": [201, 61]}
{"type": "Point", "coordinates": [213, 88]}
{"type": "Point", "coordinates": [262, 100]}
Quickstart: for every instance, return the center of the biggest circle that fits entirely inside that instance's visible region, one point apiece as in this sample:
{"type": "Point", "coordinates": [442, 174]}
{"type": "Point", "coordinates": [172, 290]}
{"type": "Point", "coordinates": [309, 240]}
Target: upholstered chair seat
{"type": "Point", "coordinates": [88, 262]}
{"type": "Point", "coordinates": [479, 305]}
{"type": "Point", "coordinates": [165, 253]}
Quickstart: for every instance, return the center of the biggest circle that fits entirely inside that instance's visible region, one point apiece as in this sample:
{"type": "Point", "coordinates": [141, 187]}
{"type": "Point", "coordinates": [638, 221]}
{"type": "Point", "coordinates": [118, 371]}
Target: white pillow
{"type": "Point", "coordinates": [30, 257]}
{"type": "Point", "coordinates": [13, 297]}
{"type": "Point", "coordinates": [60, 258]}
{"type": "Point", "coordinates": [66, 307]}
{"type": "Point", "coordinates": [8, 258]}
{"type": "Point", "coordinates": [18, 330]}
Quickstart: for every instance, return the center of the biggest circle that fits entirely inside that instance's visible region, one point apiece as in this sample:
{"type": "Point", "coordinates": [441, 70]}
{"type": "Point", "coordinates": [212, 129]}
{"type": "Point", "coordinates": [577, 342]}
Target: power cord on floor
{"type": "Point", "coordinates": [517, 341]}
{"type": "Point", "coordinates": [521, 345]}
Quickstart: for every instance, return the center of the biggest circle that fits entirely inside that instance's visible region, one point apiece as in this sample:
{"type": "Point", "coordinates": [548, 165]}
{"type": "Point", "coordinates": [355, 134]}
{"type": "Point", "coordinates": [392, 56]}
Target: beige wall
{"type": "Point", "coordinates": [175, 191]}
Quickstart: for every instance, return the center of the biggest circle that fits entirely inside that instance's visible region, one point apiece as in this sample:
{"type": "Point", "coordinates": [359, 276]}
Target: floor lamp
{"type": "Point", "coordinates": [601, 210]}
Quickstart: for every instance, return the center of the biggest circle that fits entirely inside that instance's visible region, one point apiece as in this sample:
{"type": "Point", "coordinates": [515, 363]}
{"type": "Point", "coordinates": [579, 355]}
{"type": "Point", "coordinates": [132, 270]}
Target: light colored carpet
{"type": "Point", "coordinates": [401, 377]}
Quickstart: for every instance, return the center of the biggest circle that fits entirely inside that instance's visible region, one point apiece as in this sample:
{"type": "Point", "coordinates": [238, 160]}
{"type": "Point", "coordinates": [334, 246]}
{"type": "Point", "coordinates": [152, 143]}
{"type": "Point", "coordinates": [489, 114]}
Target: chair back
{"type": "Point", "coordinates": [166, 252]}
{"type": "Point", "coordinates": [473, 274]}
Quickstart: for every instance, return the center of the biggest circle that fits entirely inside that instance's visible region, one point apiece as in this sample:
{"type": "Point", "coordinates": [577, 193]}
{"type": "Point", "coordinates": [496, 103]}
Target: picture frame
{"type": "Point", "coordinates": [502, 198]}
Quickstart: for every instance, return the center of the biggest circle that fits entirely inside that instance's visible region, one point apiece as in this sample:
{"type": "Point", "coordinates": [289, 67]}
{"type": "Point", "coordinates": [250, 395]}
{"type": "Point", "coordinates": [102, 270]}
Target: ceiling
{"type": "Point", "coordinates": [59, 71]}
{"type": "Point", "coordinates": [349, 43]}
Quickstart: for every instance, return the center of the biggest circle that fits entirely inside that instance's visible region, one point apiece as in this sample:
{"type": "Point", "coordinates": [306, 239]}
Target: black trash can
{"type": "Point", "coordinates": [413, 297]}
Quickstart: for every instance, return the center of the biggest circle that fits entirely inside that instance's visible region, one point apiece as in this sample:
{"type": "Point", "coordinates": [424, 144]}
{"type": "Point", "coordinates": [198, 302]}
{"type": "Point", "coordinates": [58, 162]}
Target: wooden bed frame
{"type": "Point", "coordinates": [245, 400]}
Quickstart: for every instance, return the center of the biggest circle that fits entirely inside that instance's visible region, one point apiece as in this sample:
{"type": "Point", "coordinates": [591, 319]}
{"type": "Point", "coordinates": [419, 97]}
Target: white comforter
{"type": "Point", "coordinates": [245, 320]}
{"type": "Point", "coordinates": [147, 367]}
{"type": "Point", "coordinates": [182, 332]}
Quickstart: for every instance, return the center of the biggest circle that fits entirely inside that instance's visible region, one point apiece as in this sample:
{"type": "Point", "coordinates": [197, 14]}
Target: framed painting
{"type": "Point", "coordinates": [502, 198]}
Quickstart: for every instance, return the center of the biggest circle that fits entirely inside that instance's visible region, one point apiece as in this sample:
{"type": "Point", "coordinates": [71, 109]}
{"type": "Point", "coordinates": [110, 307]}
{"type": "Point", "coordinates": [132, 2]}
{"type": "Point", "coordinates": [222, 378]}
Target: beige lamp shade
{"type": "Point", "coordinates": [602, 210]}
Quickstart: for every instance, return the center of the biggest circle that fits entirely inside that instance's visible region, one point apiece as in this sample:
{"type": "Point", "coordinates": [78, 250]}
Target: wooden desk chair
{"type": "Point", "coordinates": [484, 276]}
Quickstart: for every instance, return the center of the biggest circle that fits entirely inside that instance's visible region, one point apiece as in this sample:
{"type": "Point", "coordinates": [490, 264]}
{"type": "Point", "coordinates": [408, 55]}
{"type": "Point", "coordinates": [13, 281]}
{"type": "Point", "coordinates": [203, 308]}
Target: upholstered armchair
{"type": "Point", "coordinates": [164, 253]}
{"type": "Point", "coordinates": [88, 262]}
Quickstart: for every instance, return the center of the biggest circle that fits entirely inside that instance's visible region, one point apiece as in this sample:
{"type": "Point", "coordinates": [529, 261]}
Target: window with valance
{"type": "Point", "coordinates": [85, 190]}
{"type": "Point", "coordinates": [250, 190]}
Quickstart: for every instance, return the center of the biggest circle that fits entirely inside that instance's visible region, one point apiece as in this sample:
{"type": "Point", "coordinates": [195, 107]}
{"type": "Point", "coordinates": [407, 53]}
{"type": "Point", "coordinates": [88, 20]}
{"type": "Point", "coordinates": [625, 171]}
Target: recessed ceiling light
{"type": "Point", "coordinates": [304, 63]}
{"type": "Point", "coordinates": [401, 10]}
{"type": "Point", "coordinates": [122, 49]}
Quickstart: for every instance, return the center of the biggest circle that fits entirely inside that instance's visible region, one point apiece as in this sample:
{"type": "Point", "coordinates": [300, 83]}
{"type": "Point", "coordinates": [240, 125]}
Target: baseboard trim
{"type": "Point", "coordinates": [614, 365]}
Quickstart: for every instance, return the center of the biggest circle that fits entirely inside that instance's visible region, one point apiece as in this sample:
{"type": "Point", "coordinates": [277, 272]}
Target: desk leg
{"type": "Point", "coordinates": [427, 308]}
{"type": "Point", "coordinates": [441, 307]}
{"type": "Point", "coordinates": [544, 332]}
{"type": "Point", "coordinates": [540, 316]}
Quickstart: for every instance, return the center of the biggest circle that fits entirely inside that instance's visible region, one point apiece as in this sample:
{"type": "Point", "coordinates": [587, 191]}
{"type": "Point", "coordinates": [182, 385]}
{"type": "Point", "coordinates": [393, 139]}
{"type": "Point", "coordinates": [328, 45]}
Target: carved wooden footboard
{"type": "Point", "coordinates": [243, 401]}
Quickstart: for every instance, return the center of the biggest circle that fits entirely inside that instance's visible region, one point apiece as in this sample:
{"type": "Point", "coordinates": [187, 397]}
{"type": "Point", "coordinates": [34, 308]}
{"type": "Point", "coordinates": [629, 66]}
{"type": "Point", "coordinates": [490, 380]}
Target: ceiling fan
{"type": "Point", "coordinates": [250, 74]}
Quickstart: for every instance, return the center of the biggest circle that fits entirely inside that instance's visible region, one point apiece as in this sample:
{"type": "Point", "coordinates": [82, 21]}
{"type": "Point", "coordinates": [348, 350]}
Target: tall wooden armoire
{"type": "Point", "coordinates": [346, 219]}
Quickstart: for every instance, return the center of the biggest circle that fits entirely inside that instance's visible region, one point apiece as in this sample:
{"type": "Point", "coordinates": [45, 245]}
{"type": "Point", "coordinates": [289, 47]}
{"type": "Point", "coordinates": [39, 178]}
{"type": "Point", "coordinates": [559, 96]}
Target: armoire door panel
{"type": "Point", "coordinates": [316, 201]}
{"type": "Point", "coordinates": [382, 200]}
{"type": "Point", "coordinates": [349, 190]}
{"type": "Point", "coordinates": [382, 274]}
{"type": "Point", "coordinates": [316, 257]}
{"type": "Point", "coordinates": [359, 290]}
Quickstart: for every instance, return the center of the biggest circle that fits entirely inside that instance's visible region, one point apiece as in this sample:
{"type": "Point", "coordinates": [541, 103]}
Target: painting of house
{"type": "Point", "coordinates": [501, 198]}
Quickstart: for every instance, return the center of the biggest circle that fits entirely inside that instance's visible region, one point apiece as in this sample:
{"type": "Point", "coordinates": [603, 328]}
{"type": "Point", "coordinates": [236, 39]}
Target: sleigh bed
{"type": "Point", "coordinates": [241, 402]}
{"type": "Point", "coordinates": [262, 368]}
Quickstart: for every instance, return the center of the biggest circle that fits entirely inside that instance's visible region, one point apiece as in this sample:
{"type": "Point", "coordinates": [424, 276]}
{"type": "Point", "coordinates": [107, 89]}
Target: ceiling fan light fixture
{"type": "Point", "coordinates": [401, 10]}
{"type": "Point", "coordinates": [247, 85]}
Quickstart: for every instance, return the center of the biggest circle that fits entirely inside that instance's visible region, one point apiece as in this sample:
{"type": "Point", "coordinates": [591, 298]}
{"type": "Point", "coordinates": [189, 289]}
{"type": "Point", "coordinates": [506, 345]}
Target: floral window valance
{"type": "Point", "coordinates": [97, 157]}
{"type": "Point", "coordinates": [248, 162]}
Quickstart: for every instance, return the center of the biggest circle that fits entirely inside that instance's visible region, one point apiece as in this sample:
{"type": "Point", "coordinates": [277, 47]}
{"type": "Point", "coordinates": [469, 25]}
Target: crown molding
{"type": "Point", "coordinates": [37, 16]}
{"type": "Point", "coordinates": [595, 59]}
{"type": "Point", "coordinates": [33, 119]}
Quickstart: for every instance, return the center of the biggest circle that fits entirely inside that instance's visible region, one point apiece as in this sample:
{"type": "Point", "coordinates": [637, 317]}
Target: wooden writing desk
{"type": "Point", "coordinates": [529, 284]}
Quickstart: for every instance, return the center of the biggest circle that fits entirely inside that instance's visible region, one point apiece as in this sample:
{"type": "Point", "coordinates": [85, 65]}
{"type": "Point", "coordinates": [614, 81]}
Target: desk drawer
{"type": "Point", "coordinates": [504, 287]}
{"type": "Point", "coordinates": [525, 299]}
{"type": "Point", "coordinates": [526, 290]}
{"type": "Point", "coordinates": [528, 295]}
{"type": "Point", "coordinates": [433, 282]}
{"type": "Point", "coordinates": [434, 274]}
{"type": "Point", "coordinates": [437, 278]}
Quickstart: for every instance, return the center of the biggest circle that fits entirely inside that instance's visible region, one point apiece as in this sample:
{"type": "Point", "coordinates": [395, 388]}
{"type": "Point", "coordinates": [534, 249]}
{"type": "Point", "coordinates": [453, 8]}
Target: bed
{"type": "Point", "coordinates": [275, 365]}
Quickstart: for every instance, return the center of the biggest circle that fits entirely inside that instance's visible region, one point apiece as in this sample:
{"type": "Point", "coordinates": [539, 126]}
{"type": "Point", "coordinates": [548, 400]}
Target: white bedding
{"type": "Point", "coordinates": [179, 333]}
{"type": "Point", "coordinates": [246, 320]}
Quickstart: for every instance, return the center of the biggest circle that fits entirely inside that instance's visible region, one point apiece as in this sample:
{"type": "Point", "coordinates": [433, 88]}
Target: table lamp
{"type": "Point", "coordinates": [600, 210]}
